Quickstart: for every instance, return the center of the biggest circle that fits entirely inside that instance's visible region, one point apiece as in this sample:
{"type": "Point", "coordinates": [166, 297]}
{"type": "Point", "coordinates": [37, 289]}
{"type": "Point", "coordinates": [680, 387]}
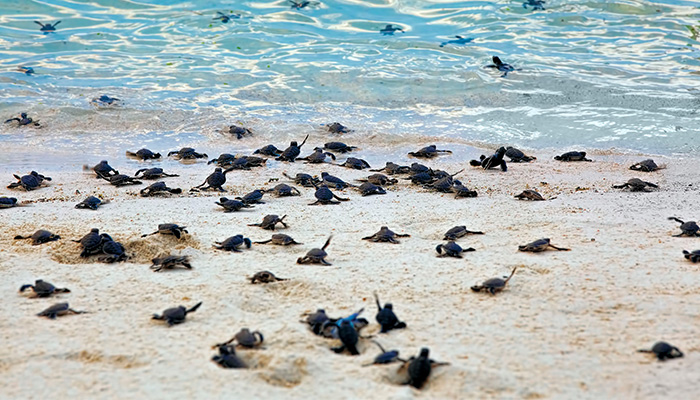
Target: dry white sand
{"type": "Point", "coordinates": [567, 326]}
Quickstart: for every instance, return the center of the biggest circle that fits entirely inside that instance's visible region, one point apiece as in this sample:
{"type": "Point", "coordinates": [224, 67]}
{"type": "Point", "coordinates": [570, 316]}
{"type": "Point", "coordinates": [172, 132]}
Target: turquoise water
{"type": "Point", "coordinates": [621, 75]}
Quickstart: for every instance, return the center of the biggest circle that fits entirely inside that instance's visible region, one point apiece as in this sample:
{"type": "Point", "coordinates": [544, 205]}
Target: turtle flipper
{"type": "Point", "coordinates": [194, 308]}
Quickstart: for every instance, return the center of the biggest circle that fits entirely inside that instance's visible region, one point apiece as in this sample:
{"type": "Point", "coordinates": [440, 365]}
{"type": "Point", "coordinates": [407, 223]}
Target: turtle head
{"type": "Point", "coordinates": [217, 169]}
{"type": "Point", "coordinates": [293, 143]}
{"type": "Point", "coordinates": [424, 352]}
{"type": "Point", "coordinates": [247, 242]}
{"type": "Point", "coordinates": [497, 61]}
{"type": "Point", "coordinates": [94, 230]}
{"type": "Point", "coordinates": [389, 306]}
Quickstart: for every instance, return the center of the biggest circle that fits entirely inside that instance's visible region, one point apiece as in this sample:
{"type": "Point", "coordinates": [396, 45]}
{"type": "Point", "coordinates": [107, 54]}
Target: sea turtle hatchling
{"type": "Point", "coordinates": [25, 70]}
{"type": "Point", "coordinates": [428, 152]}
{"type": "Point", "coordinates": [170, 262]}
{"type": "Point", "coordinates": [254, 197]}
{"type": "Point", "coordinates": [245, 338]}
{"type": "Point", "coordinates": [355, 163]}
{"type": "Point", "coordinates": [246, 163]}
{"type": "Point", "coordinates": [535, 4]}
{"type": "Point", "coordinates": [233, 243]}
{"type": "Point", "coordinates": [462, 191]}
{"type": "Point", "coordinates": [379, 180]}
{"type": "Point", "coordinates": [518, 156]}
{"type": "Point", "coordinates": [316, 320]}
{"type": "Point", "coordinates": [8, 202]}
{"type": "Point", "coordinates": [689, 228]}
{"type": "Point", "coordinates": [28, 182]}
{"type": "Point", "coordinates": [168, 229]}
{"type": "Point", "coordinates": [334, 181]}
{"type": "Point", "coordinates": [457, 40]}
{"type": "Point", "coordinates": [325, 196]}
{"type": "Point", "coordinates": [41, 288]}
{"type": "Point", "coordinates": [338, 147]}
{"type": "Point", "coordinates": [239, 131]}
{"type": "Point", "coordinates": [59, 310]}
{"type": "Point", "coordinates": [493, 161]}
{"type": "Point", "coordinates": [47, 27]}
{"type": "Point", "coordinates": [269, 150]}
{"type": "Point", "coordinates": [645, 166]}
{"type": "Point", "coordinates": [573, 156]}
{"type": "Point", "coordinates": [451, 249]}
{"type": "Point", "coordinates": [103, 169]}
{"type": "Point", "coordinates": [175, 315]}
{"type": "Point", "coordinates": [284, 190]}
{"type": "Point", "coordinates": [663, 351]}
{"type": "Point", "coordinates": [40, 237]}
{"type": "Point", "coordinates": [529, 194]}
{"type": "Point", "coordinates": [298, 5]}
{"type": "Point", "coordinates": [223, 160]}
{"type": "Point", "coordinates": [693, 256]}
{"type": "Point", "coordinates": [386, 317]}
{"type": "Point", "coordinates": [91, 243]}
{"type": "Point", "coordinates": [318, 156]}
{"type": "Point", "coordinates": [143, 154]}
{"type": "Point", "coordinates": [227, 358]}
{"type": "Point", "coordinates": [494, 285]}
{"type": "Point", "coordinates": [23, 120]}
{"type": "Point", "coordinates": [386, 357]}
{"type": "Point", "coordinates": [157, 189]}
{"type": "Point", "coordinates": [393, 169]}
{"type": "Point", "coordinates": [265, 277]}
{"type": "Point", "coordinates": [458, 232]}
{"type": "Point", "coordinates": [113, 250]}
{"type": "Point", "coordinates": [186, 153]}
{"type": "Point", "coordinates": [153, 173]}
{"type": "Point", "coordinates": [214, 181]}
{"type": "Point", "coordinates": [385, 235]}
{"type": "Point", "coordinates": [636, 185]}
{"type": "Point", "coordinates": [390, 29]}
{"type": "Point", "coordinates": [368, 189]}
{"type": "Point", "coordinates": [121, 180]}
{"type": "Point", "coordinates": [225, 18]}
{"type": "Point", "coordinates": [270, 221]}
{"type": "Point", "coordinates": [302, 179]}
{"type": "Point", "coordinates": [292, 152]}
{"type": "Point", "coordinates": [419, 368]}
{"type": "Point", "coordinates": [279, 239]}
{"type": "Point", "coordinates": [540, 245]}
{"type": "Point", "coordinates": [316, 256]}
{"type": "Point", "coordinates": [501, 66]}
{"type": "Point", "coordinates": [105, 101]}
{"type": "Point", "coordinates": [231, 205]}
{"type": "Point", "coordinates": [91, 202]}
{"type": "Point", "coordinates": [337, 128]}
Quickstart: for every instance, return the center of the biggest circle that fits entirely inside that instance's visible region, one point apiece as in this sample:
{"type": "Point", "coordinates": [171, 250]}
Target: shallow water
{"type": "Point", "coordinates": [594, 74]}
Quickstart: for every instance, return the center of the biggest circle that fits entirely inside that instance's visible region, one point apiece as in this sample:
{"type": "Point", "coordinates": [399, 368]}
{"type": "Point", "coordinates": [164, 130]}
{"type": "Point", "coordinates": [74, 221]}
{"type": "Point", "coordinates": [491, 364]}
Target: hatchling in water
{"type": "Point", "coordinates": [355, 163]}
{"type": "Point", "coordinates": [269, 150]}
{"type": "Point", "coordinates": [338, 147]}
{"type": "Point", "coordinates": [91, 243]}
{"type": "Point", "coordinates": [25, 70]}
{"type": "Point", "coordinates": [233, 243]}
{"type": "Point", "coordinates": [331, 180]}
{"type": "Point", "coordinates": [223, 160]}
{"type": "Point", "coordinates": [231, 205]}
{"type": "Point", "coordinates": [114, 251]}
{"type": "Point", "coordinates": [386, 317]}
{"type": "Point", "coordinates": [121, 180]}
{"type": "Point", "coordinates": [186, 153]}
{"type": "Point", "coordinates": [169, 229]}
{"type": "Point", "coordinates": [254, 197]}
{"type": "Point", "coordinates": [284, 190]}
{"type": "Point", "coordinates": [214, 181]}
{"type": "Point", "coordinates": [419, 368]}
{"type": "Point", "coordinates": [325, 196]}
{"type": "Point", "coordinates": [495, 160]}
{"type": "Point", "coordinates": [385, 235]}
{"type": "Point", "coordinates": [693, 256]}
{"type": "Point", "coordinates": [158, 188]}
{"type": "Point", "coordinates": [337, 127]}
{"type": "Point", "coordinates": [540, 245]}
{"type": "Point", "coordinates": [59, 310]}
{"type": "Point", "coordinates": [529, 194]}
{"type": "Point", "coordinates": [458, 232]}
{"type": "Point", "coordinates": [305, 180]}
{"type": "Point", "coordinates": [239, 131]}
{"type": "Point", "coordinates": [451, 249]}
{"type": "Point", "coordinates": [23, 120]}
{"type": "Point", "coordinates": [8, 202]}
{"type": "Point", "coordinates": [175, 315]}
{"type": "Point", "coordinates": [105, 101]}
{"type": "Point", "coordinates": [463, 191]}
{"type": "Point", "coordinates": [144, 154]}
{"type": "Point", "coordinates": [222, 17]}
{"type": "Point", "coordinates": [573, 156]}
{"type": "Point", "coordinates": [279, 239]}
{"type": "Point", "coordinates": [689, 228]}
{"type": "Point", "coordinates": [494, 285]}
{"type": "Point", "coordinates": [170, 262]}
{"type": "Point", "coordinates": [316, 256]}
{"type": "Point", "coordinates": [636, 185]}
{"type": "Point", "coordinates": [517, 156]}
{"type": "Point", "coordinates": [152, 173]}
{"type": "Point", "coordinates": [92, 202]}
{"type": "Point", "coordinates": [246, 338]}
{"type": "Point", "coordinates": [47, 27]}
{"type": "Point", "coordinates": [42, 288]}
{"type": "Point", "coordinates": [379, 179]}
{"type": "Point", "coordinates": [29, 182]}
{"type": "Point", "coordinates": [645, 166]}
{"type": "Point", "coordinates": [227, 358]}
{"type": "Point", "coordinates": [292, 152]}
{"type": "Point", "coordinates": [270, 221]}
{"type": "Point", "coordinates": [501, 66]}
{"type": "Point", "coordinates": [104, 170]}
{"type": "Point", "coordinates": [40, 237]}
{"type": "Point", "coordinates": [663, 351]}
{"type": "Point", "coordinates": [428, 152]}
{"type": "Point", "coordinates": [368, 189]}
{"type": "Point", "coordinates": [299, 4]}
{"type": "Point", "coordinates": [457, 40]}
{"type": "Point", "coordinates": [393, 169]}
{"type": "Point", "coordinates": [387, 357]}
{"type": "Point", "coordinates": [265, 277]}
{"type": "Point", "coordinates": [390, 29]}
{"type": "Point", "coordinates": [535, 4]}
{"type": "Point", "coordinates": [318, 156]}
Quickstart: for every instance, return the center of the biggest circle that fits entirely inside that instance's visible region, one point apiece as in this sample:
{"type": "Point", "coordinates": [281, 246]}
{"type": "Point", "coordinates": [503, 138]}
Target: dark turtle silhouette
{"type": "Point", "coordinates": [168, 229]}
{"type": "Point", "coordinates": [230, 205]}
{"type": "Point", "coordinates": [393, 169]}
{"type": "Point", "coordinates": [114, 251]}
{"type": "Point", "coordinates": [495, 160]}
{"type": "Point", "coordinates": [501, 66]}
{"type": "Point", "coordinates": [214, 181]}
{"type": "Point", "coordinates": [23, 120]}
{"type": "Point", "coordinates": [529, 194]}
{"type": "Point", "coordinates": [348, 338]}
{"type": "Point", "coordinates": [316, 320]}
{"type": "Point", "coordinates": [334, 181]}
{"type": "Point", "coordinates": [305, 180]}
{"type": "Point", "coordinates": [176, 315]}
{"type": "Point", "coordinates": [170, 262]}
{"type": "Point", "coordinates": [428, 152]}
{"type": "Point", "coordinates": [536, 4]}
{"type": "Point", "coordinates": [92, 202]}
{"type": "Point", "coordinates": [144, 154]}
{"type": "Point", "coordinates": [462, 191]}
{"type": "Point", "coordinates": [325, 196]}
{"type": "Point", "coordinates": [223, 17]}
{"type": "Point", "coordinates": [573, 156]}
{"type": "Point", "coordinates": [385, 235]}
{"type": "Point", "coordinates": [458, 232]}
{"type": "Point", "coordinates": [152, 173]}
{"type": "Point", "coordinates": [663, 351]}
{"type": "Point", "coordinates": [41, 288]}
{"type": "Point", "coordinates": [186, 153]}
{"type": "Point", "coordinates": [417, 168]}
{"type": "Point", "coordinates": [419, 368]}
{"type": "Point", "coordinates": [443, 184]}
{"type": "Point", "coordinates": [379, 180]}
{"type": "Point", "coordinates": [28, 182]}
{"type": "Point", "coordinates": [279, 239]}
{"type": "Point", "coordinates": [386, 317]}
{"type": "Point", "coordinates": [59, 310]}
{"type": "Point", "coordinates": [105, 101]}
{"type": "Point", "coordinates": [355, 163]}
{"type": "Point", "coordinates": [368, 189]}
{"type": "Point", "coordinates": [40, 237]}
{"type": "Point", "coordinates": [689, 228]}
{"type": "Point", "coordinates": [645, 166]}
{"type": "Point", "coordinates": [233, 243]}
{"type": "Point", "coordinates": [451, 249]}
{"type": "Point", "coordinates": [269, 222]}
{"type": "Point", "coordinates": [284, 190]}
{"type": "Point", "coordinates": [227, 358]}
{"type": "Point", "coordinates": [47, 27]}
{"type": "Point", "coordinates": [91, 243]}
{"type": "Point", "coordinates": [265, 277]}
{"type": "Point", "coordinates": [517, 156]}
{"type": "Point", "coordinates": [457, 40]}
{"type": "Point", "coordinates": [390, 29]}
{"type": "Point", "coordinates": [102, 169]}
{"type": "Point", "coordinates": [254, 197]}
{"type": "Point", "coordinates": [693, 256]}
{"type": "Point", "coordinates": [317, 157]}
{"type": "Point", "coordinates": [8, 202]}
{"type": "Point", "coordinates": [338, 147]}
{"type": "Point", "coordinates": [239, 131]}
{"type": "Point", "coordinates": [636, 185]}
{"type": "Point", "coordinates": [540, 245]}
{"type": "Point", "coordinates": [421, 178]}
{"type": "Point", "coordinates": [298, 5]}
{"type": "Point", "coordinates": [292, 152]}
{"type": "Point", "coordinates": [338, 128]}
{"type": "Point", "coordinates": [387, 357]}
{"type": "Point", "coordinates": [121, 180]}
{"type": "Point", "coordinates": [26, 70]}
{"type": "Point", "coordinates": [157, 189]}
{"type": "Point", "coordinates": [245, 338]}
{"type": "Point", "coordinates": [223, 160]}
{"type": "Point", "coordinates": [316, 256]}
{"type": "Point", "coordinates": [494, 285]}
{"type": "Point", "coordinates": [246, 163]}
{"type": "Point", "coordinates": [269, 150]}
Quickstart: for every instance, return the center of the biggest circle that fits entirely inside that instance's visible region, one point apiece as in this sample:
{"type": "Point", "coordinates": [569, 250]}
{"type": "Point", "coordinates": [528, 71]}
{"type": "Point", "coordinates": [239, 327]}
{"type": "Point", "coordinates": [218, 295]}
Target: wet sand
{"type": "Point", "coordinates": [567, 326]}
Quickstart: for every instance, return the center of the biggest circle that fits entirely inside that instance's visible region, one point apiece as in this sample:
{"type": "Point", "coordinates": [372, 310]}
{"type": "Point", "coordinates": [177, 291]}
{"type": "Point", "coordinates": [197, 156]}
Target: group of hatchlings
{"type": "Point", "coordinates": [347, 329]}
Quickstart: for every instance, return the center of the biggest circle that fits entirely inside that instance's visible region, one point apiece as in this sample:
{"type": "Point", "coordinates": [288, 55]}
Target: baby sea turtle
{"type": "Point", "coordinates": [121, 180]}
{"type": "Point", "coordinates": [463, 191]}
{"type": "Point", "coordinates": [153, 173]}
{"type": "Point", "coordinates": [316, 256]}
{"type": "Point", "coordinates": [186, 153]}
{"type": "Point", "coordinates": [105, 101]}
{"type": "Point", "coordinates": [47, 27]}
{"type": "Point", "coordinates": [495, 160]}
{"type": "Point", "coordinates": [355, 163]}
{"type": "Point", "coordinates": [265, 277]}
{"type": "Point", "coordinates": [269, 222]}
{"type": "Point", "coordinates": [337, 127]}
{"type": "Point", "coordinates": [379, 179]}
{"type": "Point", "coordinates": [536, 4]}
{"type": "Point", "coordinates": [8, 202]}
{"type": "Point", "coordinates": [157, 189]}
{"type": "Point", "coordinates": [254, 197]}
{"type": "Point", "coordinates": [689, 228]}
{"type": "Point", "coordinates": [144, 154]}
{"type": "Point", "coordinates": [385, 235]}
{"type": "Point", "coordinates": [41, 288]}
{"type": "Point", "coordinates": [246, 163]}
{"type": "Point", "coordinates": [91, 243]}
{"type": "Point", "coordinates": [494, 285]}
{"type": "Point", "coordinates": [540, 245]}
{"type": "Point", "coordinates": [91, 202]}
{"type": "Point", "coordinates": [390, 29]}
{"type": "Point", "coordinates": [338, 147]}
{"type": "Point", "coordinates": [223, 160]}
{"type": "Point", "coordinates": [693, 256]}
{"type": "Point", "coordinates": [227, 358]}
{"type": "Point", "coordinates": [298, 5]}
{"type": "Point", "coordinates": [233, 243]}
{"type": "Point", "coordinates": [23, 120]}
{"type": "Point", "coordinates": [457, 40]}
{"type": "Point", "coordinates": [28, 182]}
{"type": "Point", "coordinates": [230, 205]}
{"type": "Point", "coordinates": [458, 232]}
{"type": "Point", "coordinates": [663, 351]}
{"type": "Point", "coordinates": [501, 66]}
{"type": "Point", "coordinates": [222, 17]}
{"type": "Point", "coordinates": [636, 185]}
{"type": "Point", "coordinates": [451, 249]}
{"type": "Point", "coordinates": [279, 239]}
{"type": "Point", "coordinates": [421, 178]}
{"type": "Point", "coordinates": [169, 229]}
{"type": "Point", "coordinates": [331, 180]}
{"type": "Point", "coordinates": [284, 190]}
{"type": "Point", "coordinates": [170, 262]}
{"type": "Point", "coordinates": [318, 156]}
{"type": "Point", "coordinates": [114, 251]}
{"type": "Point", "coordinates": [645, 166]}
{"type": "Point", "coordinates": [269, 150]}
{"type": "Point", "coordinates": [175, 315]}
{"type": "Point", "coordinates": [59, 310]}
{"type": "Point", "coordinates": [26, 70]}
{"type": "Point", "coordinates": [348, 338]}
{"type": "Point", "coordinates": [419, 368]}
{"type": "Point", "coordinates": [214, 181]}
{"type": "Point", "coordinates": [325, 196]}
{"type": "Point", "coordinates": [386, 317]}
{"type": "Point", "coordinates": [316, 320]}
{"type": "Point", "coordinates": [40, 237]}
{"type": "Point", "coordinates": [387, 357]}
{"type": "Point", "coordinates": [103, 169]}
{"type": "Point", "coordinates": [428, 152]}
{"type": "Point", "coordinates": [529, 194]}
{"type": "Point", "coordinates": [246, 338]}
{"type": "Point", "coordinates": [443, 184]}
{"type": "Point", "coordinates": [239, 131]}
{"type": "Point", "coordinates": [573, 156]}
{"type": "Point", "coordinates": [305, 180]}
{"type": "Point", "coordinates": [393, 169]}
{"type": "Point", "coordinates": [517, 156]}
{"type": "Point", "coordinates": [368, 189]}
{"type": "Point", "coordinates": [292, 152]}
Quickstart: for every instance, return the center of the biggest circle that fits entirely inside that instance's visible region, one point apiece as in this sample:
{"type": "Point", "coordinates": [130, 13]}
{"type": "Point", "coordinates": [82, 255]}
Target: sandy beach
{"type": "Point", "coordinates": [567, 326]}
